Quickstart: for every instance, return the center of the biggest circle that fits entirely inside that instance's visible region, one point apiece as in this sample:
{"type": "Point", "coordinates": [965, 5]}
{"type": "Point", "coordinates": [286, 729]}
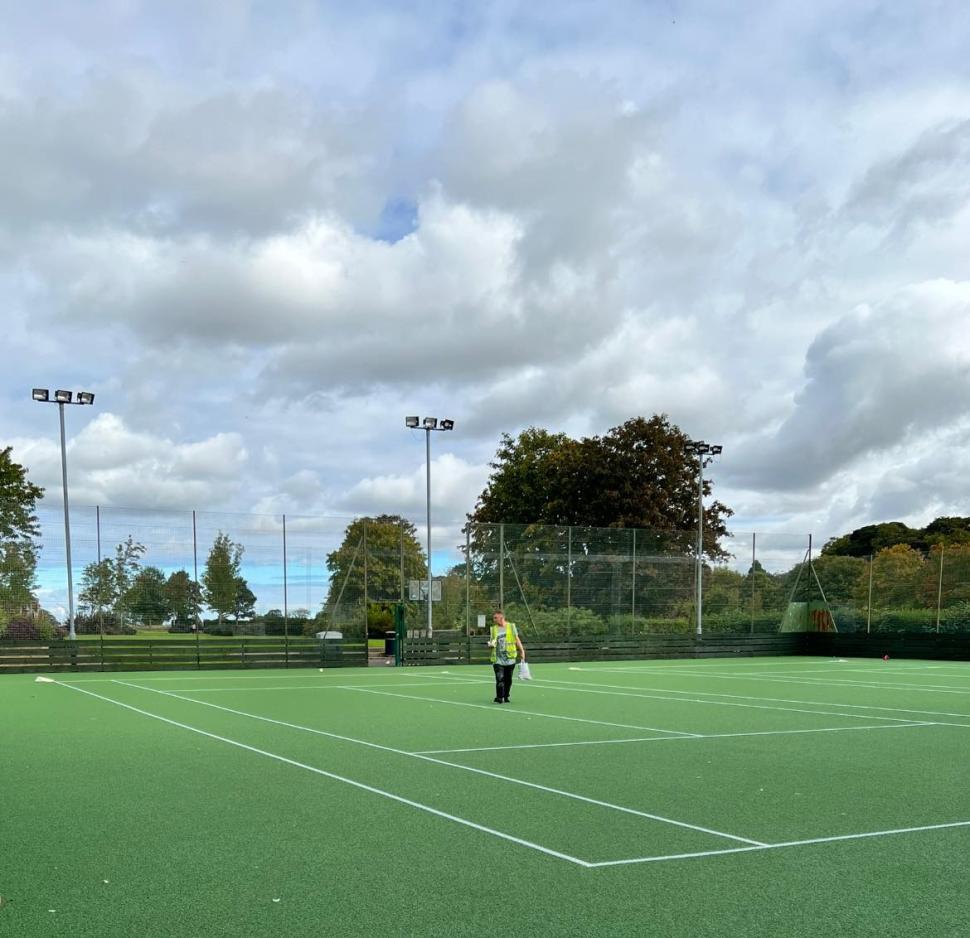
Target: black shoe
{"type": "Point", "coordinates": [497, 700]}
{"type": "Point", "coordinates": [506, 700]}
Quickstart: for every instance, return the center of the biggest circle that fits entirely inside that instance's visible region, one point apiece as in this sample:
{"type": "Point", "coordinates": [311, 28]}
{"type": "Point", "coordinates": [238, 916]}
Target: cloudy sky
{"type": "Point", "coordinates": [264, 232]}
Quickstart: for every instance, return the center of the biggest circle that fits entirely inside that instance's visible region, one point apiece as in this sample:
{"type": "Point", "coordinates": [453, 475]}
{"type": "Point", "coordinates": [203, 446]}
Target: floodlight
{"type": "Point", "coordinates": [85, 397]}
{"type": "Point", "coordinates": [447, 425]}
{"type": "Point", "coordinates": [430, 423]}
{"type": "Point", "coordinates": [411, 422]}
{"type": "Point", "coordinates": [716, 450]}
{"type": "Point", "coordinates": [63, 397]}
{"type": "Point", "coordinates": [41, 394]}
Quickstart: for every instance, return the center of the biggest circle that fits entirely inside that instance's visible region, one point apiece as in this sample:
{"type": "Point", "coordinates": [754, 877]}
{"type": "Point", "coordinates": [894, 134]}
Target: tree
{"type": "Point", "coordinates": [146, 598]}
{"type": "Point", "coordinates": [871, 538]}
{"type": "Point", "coordinates": [954, 587]}
{"type": "Point", "coordinates": [220, 580]}
{"type": "Point", "coordinates": [184, 598]}
{"type": "Point", "coordinates": [896, 572]}
{"type": "Point", "coordinates": [381, 548]}
{"type": "Point", "coordinates": [19, 528]}
{"type": "Point", "coordinates": [637, 475]}
{"type": "Point", "coordinates": [125, 567]}
{"type": "Point", "coordinates": [839, 576]}
{"type": "Point", "coordinates": [244, 605]}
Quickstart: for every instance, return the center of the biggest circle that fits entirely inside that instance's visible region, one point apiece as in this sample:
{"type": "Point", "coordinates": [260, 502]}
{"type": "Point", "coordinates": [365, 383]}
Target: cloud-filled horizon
{"type": "Point", "coordinates": [264, 234]}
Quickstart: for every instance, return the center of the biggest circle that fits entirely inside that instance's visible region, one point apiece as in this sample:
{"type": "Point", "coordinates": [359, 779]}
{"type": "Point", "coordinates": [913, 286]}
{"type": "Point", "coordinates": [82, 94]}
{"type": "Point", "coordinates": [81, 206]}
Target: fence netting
{"type": "Point", "coordinates": [136, 571]}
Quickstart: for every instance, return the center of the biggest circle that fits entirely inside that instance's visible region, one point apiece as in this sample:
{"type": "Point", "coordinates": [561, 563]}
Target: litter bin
{"type": "Point", "coordinates": [390, 643]}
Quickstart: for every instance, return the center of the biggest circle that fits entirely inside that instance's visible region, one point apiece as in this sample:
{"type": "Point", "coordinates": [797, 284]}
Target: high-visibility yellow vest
{"type": "Point", "coordinates": [511, 651]}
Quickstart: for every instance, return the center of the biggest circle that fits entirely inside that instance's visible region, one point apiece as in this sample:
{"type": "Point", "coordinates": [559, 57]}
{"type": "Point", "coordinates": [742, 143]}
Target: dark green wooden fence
{"type": "Point", "coordinates": [140, 655]}
{"type": "Point", "coordinates": [458, 650]}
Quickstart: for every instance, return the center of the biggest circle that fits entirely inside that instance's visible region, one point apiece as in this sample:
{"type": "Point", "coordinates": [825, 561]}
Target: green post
{"type": "Point", "coordinates": [400, 628]}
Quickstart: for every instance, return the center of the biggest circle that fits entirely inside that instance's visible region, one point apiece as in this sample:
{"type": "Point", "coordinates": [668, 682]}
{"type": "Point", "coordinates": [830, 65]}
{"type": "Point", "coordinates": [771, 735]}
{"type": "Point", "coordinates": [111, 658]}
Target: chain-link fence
{"type": "Point", "coordinates": [139, 571]}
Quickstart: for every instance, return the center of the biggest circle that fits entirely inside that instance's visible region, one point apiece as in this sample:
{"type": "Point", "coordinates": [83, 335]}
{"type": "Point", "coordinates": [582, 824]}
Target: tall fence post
{"type": "Point", "coordinates": [569, 577]}
{"type": "Point", "coordinates": [501, 567]}
{"type": "Point", "coordinates": [869, 601]}
{"type": "Point", "coordinates": [939, 590]}
{"type": "Point", "coordinates": [286, 608]}
{"type": "Point", "coordinates": [633, 586]}
{"type": "Point", "coordinates": [366, 629]}
{"type": "Point", "coordinates": [97, 525]}
{"type": "Point", "coordinates": [402, 559]}
{"type": "Point", "coordinates": [754, 558]}
{"type": "Point", "coordinates": [468, 582]}
{"type": "Point", "coordinates": [195, 574]}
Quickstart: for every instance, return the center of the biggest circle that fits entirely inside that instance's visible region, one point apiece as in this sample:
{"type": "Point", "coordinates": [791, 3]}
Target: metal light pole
{"type": "Point", "coordinates": [42, 395]}
{"type": "Point", "coordinates": [428, 424]}
{"type": "Point", "coordinates": [701, 449]}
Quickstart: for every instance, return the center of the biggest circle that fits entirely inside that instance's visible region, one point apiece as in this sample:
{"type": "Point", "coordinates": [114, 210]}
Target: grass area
{"type": "Point", "coordinates": [755, 797]}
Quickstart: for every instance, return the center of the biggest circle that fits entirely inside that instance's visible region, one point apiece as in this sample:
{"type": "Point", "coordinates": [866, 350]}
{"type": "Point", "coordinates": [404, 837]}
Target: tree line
{"type": "Point", "coordinates": [120, 591]}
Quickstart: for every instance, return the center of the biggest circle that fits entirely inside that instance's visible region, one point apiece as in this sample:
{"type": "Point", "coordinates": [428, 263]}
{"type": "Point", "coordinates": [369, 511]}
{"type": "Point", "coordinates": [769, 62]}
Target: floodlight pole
{"type": "Point", "coordinates": [427, 449]}
{"type": "Point", "coordinates": [62, 397]}
{"type": "Point", "coordinates": [428, 424]}
{"type": "Point", "coordinates": [71, 634]}
{"type": "Point", "coordinates": [700, 542]}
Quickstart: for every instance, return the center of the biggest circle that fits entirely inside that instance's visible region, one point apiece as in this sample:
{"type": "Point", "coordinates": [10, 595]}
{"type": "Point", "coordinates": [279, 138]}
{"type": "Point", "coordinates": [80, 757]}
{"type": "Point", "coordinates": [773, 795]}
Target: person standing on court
{"type": "Point", "coordinates": [506, 650]}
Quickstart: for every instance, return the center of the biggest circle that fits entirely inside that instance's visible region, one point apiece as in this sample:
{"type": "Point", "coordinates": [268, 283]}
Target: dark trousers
{"type": "Point", "coordinates": [503, 680]}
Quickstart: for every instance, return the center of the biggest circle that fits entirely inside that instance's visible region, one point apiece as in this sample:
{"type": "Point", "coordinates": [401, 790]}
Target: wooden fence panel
{"type": "Point", "coordinates": [141, 655]}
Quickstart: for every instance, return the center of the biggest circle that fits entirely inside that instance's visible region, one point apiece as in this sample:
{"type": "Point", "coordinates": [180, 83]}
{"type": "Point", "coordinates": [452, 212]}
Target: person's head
{"type": "Point", "coordinates": [499, 618]}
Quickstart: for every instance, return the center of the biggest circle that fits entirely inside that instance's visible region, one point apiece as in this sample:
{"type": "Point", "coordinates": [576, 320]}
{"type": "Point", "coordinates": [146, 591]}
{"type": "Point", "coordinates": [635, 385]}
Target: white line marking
{"type": "Point", "coordinates": [510, 710]}
{"type": "Point", "coordinates": [790, 843]}
{"type": "Point", "coordinates": [541, 684]}
{"type": "Point", "coordinates": [815, 682]}
{"type": "Point", "coordinates": [334, 776]}
{"type": "Point", "coordinates": [454, 765]}
{"type": "Point", "coordinates": [647, 739]}
{"type": "Point", "coordinates": [246, 690]}
{"type": "Point", "coordinates": [819, 703]}
{"type": "Point", "coordinates": [275, 674]}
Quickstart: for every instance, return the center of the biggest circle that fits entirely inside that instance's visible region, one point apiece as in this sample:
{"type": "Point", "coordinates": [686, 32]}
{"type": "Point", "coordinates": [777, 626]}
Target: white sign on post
{"type": "Point", "coordinates": [481, 621]}
{"type": "Point", "coordinates": [418, 590]}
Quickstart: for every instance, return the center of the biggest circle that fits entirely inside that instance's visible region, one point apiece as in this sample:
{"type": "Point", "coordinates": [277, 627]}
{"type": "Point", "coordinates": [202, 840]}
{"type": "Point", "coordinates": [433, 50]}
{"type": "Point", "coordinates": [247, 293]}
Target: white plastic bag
{"type": "Point", "coordinates": [524, 673]}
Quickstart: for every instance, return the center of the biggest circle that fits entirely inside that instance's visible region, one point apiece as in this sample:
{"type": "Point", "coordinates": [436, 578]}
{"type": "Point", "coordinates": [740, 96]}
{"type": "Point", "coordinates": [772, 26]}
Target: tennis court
{"type": "Point", "coordinates": [783, 796]}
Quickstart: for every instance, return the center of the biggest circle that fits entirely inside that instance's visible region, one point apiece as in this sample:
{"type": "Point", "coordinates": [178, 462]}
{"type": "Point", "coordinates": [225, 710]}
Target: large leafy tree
{"type": "Point", "coordinates": [146, 599]}
{"type": "Point", "coordinates": [377, 550]}
{"type": "Point", "coordinates": [19, 530]}
{"type": "Point", "coordinates": [896, 575]}
{"type": "Point", "coordinates": [872, 538]}
{"type": "Point", "coordinates": [244, 606]}
{"type": "Point", "coordinates": [576, 502]}
{"type": "Point", "coordinates": [184, 598]}
{"type": "Point", "coordinates": [637, 475]}
{"type": "Point", "coordinates": [221, 578]}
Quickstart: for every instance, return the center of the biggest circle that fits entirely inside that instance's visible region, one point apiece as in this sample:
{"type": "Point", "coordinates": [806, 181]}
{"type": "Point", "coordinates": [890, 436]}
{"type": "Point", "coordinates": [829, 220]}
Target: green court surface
{"type": "Point", "coordinates": [775, 797]}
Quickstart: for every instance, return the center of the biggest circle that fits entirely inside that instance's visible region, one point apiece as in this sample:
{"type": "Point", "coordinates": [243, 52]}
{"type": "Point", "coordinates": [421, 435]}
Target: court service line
{"type": "Point", "coordinates": [821, 703]}
{"type": "Point", "coordinates": [647, 739]}
{"type": "Point", "coordinates": [516, 710]}
{"type": "Point", "coordinates": [246, 690]}
{"type": "Point", "coordinates": [454, 765]}
{"type": "Point", "coordinates": [779, 846]}
{"type": "Point", "coordinates": [816, 682]}
{"type": "Point", "coordinates": [339, 778]}
{"type": "Point", "coordinates": [543, 684]}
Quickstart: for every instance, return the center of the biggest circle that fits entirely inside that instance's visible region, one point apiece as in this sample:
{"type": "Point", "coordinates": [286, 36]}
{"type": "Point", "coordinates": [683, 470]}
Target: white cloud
{"type": "Point", "coordinates": [110, 464]}
{"type": "Point", "coordinates": [754, 220]}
